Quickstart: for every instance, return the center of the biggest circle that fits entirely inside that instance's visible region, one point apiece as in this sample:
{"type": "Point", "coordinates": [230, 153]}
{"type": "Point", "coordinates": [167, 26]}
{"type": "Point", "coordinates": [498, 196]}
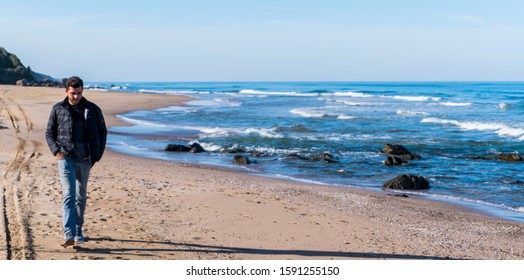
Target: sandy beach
{"type": "Point", "coordinates": [149, 209]}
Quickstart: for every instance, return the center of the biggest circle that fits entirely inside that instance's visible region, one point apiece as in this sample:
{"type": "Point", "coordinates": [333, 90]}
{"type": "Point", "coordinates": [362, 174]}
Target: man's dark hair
{"type": "Point", "coordinates": [74, 82]}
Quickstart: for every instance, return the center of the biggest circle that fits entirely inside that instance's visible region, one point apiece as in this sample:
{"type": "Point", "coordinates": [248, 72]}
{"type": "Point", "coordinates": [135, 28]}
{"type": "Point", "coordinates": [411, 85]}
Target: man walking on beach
{"type": "Point", "coordinates": [76, 134]}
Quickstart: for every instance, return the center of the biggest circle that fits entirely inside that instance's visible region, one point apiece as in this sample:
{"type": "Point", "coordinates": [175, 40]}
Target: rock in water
{"type": "Point", "coordinates": [400, 151]}
{"type": "Point", "coordinates": [239, 159]}
{"type": "Point", "coordinates": [407, 182]}
{"type": "Point", "coordinates": [234, 150]}
{"type": "Point", "coordinates": [327, 157]}
{"type": "Point", "coordinates": [196, 148]}
{"type": "Point", "coordinates": [509, 157]}
{"type": "Point", "coordinates": [395, 160]}
{"type": "Point", "coordinates": [395, 149]}
{"type": "Point", "coordinates": [177, 148]}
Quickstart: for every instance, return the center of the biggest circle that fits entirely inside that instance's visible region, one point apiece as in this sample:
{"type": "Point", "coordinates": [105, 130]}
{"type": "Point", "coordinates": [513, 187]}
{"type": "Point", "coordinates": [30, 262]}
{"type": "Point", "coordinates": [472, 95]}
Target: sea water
{"type": "Point", "coordinates": [457, 128]}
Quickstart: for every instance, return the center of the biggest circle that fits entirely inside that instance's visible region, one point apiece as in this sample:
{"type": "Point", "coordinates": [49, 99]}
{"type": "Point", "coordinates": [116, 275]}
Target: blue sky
{"type": "Point", "coordinates": [268, 40]}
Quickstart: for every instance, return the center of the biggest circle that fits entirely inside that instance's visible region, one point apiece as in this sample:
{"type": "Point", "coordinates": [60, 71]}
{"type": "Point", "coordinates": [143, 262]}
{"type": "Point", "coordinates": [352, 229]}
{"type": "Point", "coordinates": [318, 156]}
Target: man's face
{"type": "Point", "coordinates": [74, 95]}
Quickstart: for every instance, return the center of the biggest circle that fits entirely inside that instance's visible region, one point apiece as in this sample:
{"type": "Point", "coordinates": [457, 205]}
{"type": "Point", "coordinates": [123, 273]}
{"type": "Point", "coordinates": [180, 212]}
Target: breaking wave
{"type": "Point", "coordinates": [502, 130]}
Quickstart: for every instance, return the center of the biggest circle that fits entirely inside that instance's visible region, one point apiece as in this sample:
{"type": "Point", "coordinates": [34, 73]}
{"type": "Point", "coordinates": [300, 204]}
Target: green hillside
{"type": "Point", "coordinates": [12, 69]}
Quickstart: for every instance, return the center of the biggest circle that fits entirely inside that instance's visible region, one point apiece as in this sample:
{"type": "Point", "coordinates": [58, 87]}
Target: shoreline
{"type": "Point", "coordinates": [492, 211]}
{"type": "Point", "coordinates": [141, 208]}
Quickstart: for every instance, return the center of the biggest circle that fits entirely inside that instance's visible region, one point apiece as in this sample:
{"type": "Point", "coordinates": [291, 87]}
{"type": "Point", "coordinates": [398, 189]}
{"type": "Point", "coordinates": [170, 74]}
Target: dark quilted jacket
{"type": "Point", "coordinates": [59, 132]}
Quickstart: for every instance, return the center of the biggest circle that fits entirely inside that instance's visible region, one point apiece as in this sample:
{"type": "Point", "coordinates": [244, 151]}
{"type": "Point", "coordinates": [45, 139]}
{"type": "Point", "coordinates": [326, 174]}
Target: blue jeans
{"type": "Point", "coordinates": [73, 177]}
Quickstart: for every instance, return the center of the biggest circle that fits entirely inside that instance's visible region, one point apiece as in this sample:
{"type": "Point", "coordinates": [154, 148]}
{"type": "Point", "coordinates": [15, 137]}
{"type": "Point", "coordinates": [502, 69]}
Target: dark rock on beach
{"type": "Point", "coordinates": [395, 160]}
{"type": "Point", "coordinates": [258, 154]}
{"type": "Point", "coordinates": [509, 157]}
{"type": "Point", "coordinates": [240, 159]}
{"type": "Point", "coordinates": [512, 181]}
{"type": "Point", "coordinates": [297, 156]}
{"type": "Point", "coordinates": [407, 182]}
{"type": "Point", "coordinates": [193, 148]}
{"type": "Point", "coordinates": [480, 157]}
{"type": "Point", "coordinates": [295, 128]}
{"type": "Point", "coordinates": [399, 151]}
{"type": "Point", "coordinates": [395, 149]}
{"type": "Point", "coordinates": [399, 195]}
{"type": "Point", "coordinates": [196, 148]}
{"type": "Point", "coordinates": [46, 82]}
{"type": "Point", "coordinates": [177, 148]}
{"type": "Point", "coordinates": [327, 157]}
{"type": "Point", "coordinates": [234, 150]}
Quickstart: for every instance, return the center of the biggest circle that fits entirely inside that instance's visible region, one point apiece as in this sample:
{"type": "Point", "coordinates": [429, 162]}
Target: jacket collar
{"type": "Point", "coordinates": [83, 102]}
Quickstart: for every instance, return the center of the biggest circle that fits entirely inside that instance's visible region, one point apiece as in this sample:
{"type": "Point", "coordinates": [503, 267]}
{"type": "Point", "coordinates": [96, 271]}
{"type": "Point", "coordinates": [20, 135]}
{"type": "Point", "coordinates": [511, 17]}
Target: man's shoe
{"type": "Point", "coordinates": [68, 242]}
{"type": "Point", "coordinates": [79, 239]}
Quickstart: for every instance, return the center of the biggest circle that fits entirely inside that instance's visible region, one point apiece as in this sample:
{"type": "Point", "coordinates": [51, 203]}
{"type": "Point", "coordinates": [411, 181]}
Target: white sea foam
{"type": "Point", "coordinates": [209, 131]}
{"type": "Point", "coordinates": [141, 122]}
{"type": "Point", "coordinates": [264, 132]}
{"type": "Point", "coordinates": [413, 98]}
{"type": "Point", "coordinates": [362, 155]}
{"type": "Point", "coordinates": [320, 112]}
{"type": "Point", "coordinates": [170, 91]}
{"type": "Point", "coordinates": [353, 103]}
{"type": "Point", "coordinates": [411, 113]}
{"type": "Point", "coordinates": [272, 151]}
{"type": "Point", "coordinates": [210, 147]}
{"type": "Point", "coordinates": [97, 89]}
{"type": "Point", "coordinates": [217, 102]}
{"type": "Point", "coordinates": [350, 94]}
{"type": "Point", "coordinates": [504, 106]}
{"type": "Point", "coordinates": [346, 117]}
{"type": "Point", "coordinates": [501, 129]}
{"type": "Point", "coordinates": [456, 104]}
{"type": "Point", "coordinates": [171, 109]}
{"type": "Point", "coordinates": [337, 137]}
{"type": "Point", "coordinates": [223, 132]}
{"type": "Point", "coordinates": [291, 178]}
{"type": "Point", "coordinates": [308, 112]}
{"type": "Point", "coordinates": [229, 102]}
{"type": "Point", "coordinates": [398, 97]}
{"type": "Point", "coordinates": [132, 147]}
{"type": "Point", "coordinates": [205, 103]}
{"type": "Point", "coordinates": [283, 93]}
{"type": "Point", "coordinates": [212, 131]}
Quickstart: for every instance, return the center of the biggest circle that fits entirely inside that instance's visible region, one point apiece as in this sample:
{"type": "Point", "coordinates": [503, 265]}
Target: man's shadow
{"type": "Point", "coordinates": [213, 249]}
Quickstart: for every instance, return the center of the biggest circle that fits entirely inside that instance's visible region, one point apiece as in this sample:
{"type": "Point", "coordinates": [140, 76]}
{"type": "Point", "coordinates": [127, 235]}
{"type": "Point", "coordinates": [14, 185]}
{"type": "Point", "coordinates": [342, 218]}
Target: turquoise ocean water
{"type": "Point", "coordinates": [456, 127]}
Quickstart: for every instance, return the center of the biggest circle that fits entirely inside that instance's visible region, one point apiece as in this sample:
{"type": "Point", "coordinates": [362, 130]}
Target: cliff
{"type": "Point", "coordinates": [13, 72]}
{"type": "Point", "coordinates": [12, 69]}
